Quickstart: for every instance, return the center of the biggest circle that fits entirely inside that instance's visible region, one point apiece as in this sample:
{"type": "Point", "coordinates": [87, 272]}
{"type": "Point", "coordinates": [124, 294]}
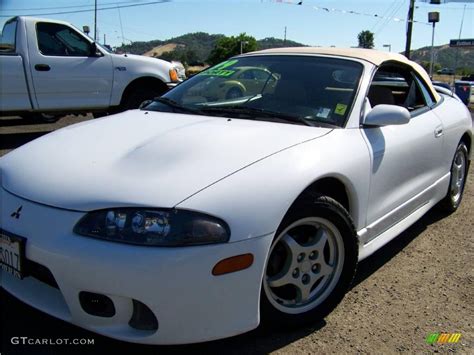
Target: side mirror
{"type": "Point", "coordinates": [145, 104]}
{"type": "Point", "coordinates": [93, 50]}
{"type": "Point", "coordinates": [387, 115]}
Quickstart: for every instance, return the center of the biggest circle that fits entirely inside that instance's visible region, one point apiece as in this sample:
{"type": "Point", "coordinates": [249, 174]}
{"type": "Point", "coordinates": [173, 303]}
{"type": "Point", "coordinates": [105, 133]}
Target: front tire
{"type": "Point", "coordinates": [311, 264]}
{"type": "Point", "coordinates": [42, 117]}
{"type": "Point", "coordinates": [234, 93]}
{"type": "Point", "coordinates": [134, 99]}
{"type": "Point", "coordinates": [457, 182]}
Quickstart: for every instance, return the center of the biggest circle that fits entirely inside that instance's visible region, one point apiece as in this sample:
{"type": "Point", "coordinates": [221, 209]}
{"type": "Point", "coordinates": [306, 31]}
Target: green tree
{"type": "Point", "coordinates": [227, 47]}
{"type": "Point", "coordinates": [426, 65]}
{"type": "Point", "coordinates": [366, 39]}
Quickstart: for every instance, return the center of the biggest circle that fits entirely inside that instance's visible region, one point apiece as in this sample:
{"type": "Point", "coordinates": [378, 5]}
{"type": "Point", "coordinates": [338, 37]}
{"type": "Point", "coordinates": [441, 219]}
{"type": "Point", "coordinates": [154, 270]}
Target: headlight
{"type": "Point", "coordinates": [145, 226]}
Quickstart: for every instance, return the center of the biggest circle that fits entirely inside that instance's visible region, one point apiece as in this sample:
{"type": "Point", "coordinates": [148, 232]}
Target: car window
{"type": "Point", "coordinates": [8, 38]}
{"type": "Point", "coordinates": [60, 40]}
{"type": "Point", "coordinates": [396, 85]}
{"type": "Point", "coordinates": [428, 96]}
{"type": "Point", "coordinates": [247, 74]}
{"type": "Point", "coordinates": [260, 74]}
{"type": "Point", "coordinates": [318, 89]}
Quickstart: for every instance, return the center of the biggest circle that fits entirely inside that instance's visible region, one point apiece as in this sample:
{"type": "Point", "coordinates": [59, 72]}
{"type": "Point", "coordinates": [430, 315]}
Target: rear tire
{"type": "Point", "coordinates": [457, 182]}
{"type": "Point", "coordinates": [311, 264]}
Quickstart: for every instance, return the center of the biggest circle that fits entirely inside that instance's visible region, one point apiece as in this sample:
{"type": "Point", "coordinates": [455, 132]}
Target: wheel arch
{"type": "Point", "coordinates": [143, 82]}
{"type": "Point", "coordinates": [231, 84]}
{"type": "Point", "coordinates": [331, 186]}
{"type": "Point", "coordinates": [467, 139]}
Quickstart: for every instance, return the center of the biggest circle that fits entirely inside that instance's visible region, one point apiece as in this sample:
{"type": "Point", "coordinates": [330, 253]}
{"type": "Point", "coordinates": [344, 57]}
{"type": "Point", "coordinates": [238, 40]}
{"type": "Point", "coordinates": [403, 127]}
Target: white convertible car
{"type": "Point", "coordinates": [201, 216]}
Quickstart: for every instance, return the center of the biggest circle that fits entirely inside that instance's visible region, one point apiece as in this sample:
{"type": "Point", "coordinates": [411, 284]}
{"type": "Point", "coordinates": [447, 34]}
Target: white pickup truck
{"type": "Point", "coordinates": [49, 68]}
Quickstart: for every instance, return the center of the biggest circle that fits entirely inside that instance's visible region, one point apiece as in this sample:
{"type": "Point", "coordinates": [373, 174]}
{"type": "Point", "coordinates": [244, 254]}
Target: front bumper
{"type": "Point", "coordinates": [176, 284]}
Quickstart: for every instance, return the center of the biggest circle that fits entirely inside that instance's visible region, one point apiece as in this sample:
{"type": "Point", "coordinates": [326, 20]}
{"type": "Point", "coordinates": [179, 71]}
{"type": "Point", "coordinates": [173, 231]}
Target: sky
{"type": "Point", "coordinates": [315, 22]}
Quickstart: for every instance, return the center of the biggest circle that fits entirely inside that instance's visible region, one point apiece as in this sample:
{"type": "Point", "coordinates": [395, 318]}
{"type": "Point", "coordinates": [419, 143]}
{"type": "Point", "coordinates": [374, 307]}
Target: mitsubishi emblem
{"type": "Point", "coordinates": [17, 213]}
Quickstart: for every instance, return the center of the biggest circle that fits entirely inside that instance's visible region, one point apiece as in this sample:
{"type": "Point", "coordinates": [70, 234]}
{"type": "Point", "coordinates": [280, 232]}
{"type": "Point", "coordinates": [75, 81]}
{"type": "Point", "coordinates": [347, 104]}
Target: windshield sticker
{"type": "Point", "coordinates": [220, 69]}
{"type": "Point", "coordinates": [323, 112]}
{"type": "Point", "coordinates": [340, 109]}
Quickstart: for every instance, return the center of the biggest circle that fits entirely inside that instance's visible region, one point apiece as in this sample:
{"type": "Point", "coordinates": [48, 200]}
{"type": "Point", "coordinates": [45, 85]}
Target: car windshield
{"type": "Point", "coordinates": [293, 89]}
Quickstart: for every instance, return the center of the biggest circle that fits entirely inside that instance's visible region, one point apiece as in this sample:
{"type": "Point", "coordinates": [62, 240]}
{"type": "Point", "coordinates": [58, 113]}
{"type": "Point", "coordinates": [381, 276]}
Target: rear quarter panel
{"type": "Point", "coordinates": [456, 121]}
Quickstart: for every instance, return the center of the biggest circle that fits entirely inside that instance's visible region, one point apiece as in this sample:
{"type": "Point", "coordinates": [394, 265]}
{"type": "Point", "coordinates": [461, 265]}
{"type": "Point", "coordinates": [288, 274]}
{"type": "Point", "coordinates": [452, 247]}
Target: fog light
{"type": "Point", "coordinates": [96, 304]}
{"type": "Point", "coordinates": [142, 317]}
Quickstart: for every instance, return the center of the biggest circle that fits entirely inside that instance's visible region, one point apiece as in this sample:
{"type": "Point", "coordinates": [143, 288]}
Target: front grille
{"type": "Point", "coordinates": [40, 272]}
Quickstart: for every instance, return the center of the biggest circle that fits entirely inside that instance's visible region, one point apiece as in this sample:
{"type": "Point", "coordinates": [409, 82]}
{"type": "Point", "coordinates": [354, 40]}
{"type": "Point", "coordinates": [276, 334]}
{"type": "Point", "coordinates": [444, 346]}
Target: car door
{"type": "Point", "coordinates": [13, 89]}
{"type": "Point", "coordinates": [405, 158]}
{"type": "Point", "coordinates": [65, 73]}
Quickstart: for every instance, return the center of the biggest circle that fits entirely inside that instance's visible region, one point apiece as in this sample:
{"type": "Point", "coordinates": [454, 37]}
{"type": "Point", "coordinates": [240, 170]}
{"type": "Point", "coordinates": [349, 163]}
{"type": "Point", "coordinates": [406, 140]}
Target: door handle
{"type": "Point", "coordinates": [438, 132]}
{"type": "Point", "coordinates": [42, 67]}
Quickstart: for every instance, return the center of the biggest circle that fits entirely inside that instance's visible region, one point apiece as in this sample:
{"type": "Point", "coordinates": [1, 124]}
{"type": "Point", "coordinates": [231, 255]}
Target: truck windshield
{"type": "Point", "coordinates": [307, 90]}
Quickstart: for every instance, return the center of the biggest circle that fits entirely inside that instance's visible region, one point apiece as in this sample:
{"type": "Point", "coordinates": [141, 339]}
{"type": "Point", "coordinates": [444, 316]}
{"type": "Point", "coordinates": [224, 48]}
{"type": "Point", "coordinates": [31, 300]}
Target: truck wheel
{"type": "Point", "coordinates": [47, 118]}
{"type": "Point", "coordinates": [43, 117]}
{"type": "Point", "coordinates": [136, 97]}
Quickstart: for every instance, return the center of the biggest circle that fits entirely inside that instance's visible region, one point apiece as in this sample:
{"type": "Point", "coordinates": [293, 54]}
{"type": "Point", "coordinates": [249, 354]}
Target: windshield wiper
{"type": "Point", "coordinates": [175, 105]}
{"type": "Point", "coordinates": [256, 112]}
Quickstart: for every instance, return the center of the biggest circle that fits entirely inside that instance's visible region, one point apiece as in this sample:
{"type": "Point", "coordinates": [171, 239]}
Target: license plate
{"type": "Point", "coordinates": [12, 254]}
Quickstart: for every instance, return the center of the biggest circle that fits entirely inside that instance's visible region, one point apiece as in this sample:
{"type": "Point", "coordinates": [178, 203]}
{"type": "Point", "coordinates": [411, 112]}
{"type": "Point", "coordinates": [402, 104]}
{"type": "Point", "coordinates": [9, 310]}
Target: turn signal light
{"type": "Point", "coordinates": [174, 75]}
{"type": "Point", "coordinates": [233, 264]}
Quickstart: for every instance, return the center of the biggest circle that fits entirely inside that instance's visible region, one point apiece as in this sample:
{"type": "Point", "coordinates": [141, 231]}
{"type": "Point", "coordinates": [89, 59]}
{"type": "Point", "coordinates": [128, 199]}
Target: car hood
{"type": "Point", "coordinates": [125, 58]}
{"type": "Point", "coordinates": [140, 158]}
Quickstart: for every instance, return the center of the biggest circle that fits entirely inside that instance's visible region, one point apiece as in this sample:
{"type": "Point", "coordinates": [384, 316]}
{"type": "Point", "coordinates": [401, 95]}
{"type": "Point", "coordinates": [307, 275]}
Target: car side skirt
{"type": "Point", "coordinates": [382, 231]}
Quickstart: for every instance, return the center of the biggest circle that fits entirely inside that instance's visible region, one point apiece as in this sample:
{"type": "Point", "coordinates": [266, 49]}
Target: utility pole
{"type": "Point", "coordinates": [457, 49]}
{"type": "Point", "coordinates": [433, 17]}
{"type": "Point", "coordinates": [284, 38]}
{"type": "Point", "coordinates": [411, 12]}
{"type": "Point", "coordinates": [95, 21]}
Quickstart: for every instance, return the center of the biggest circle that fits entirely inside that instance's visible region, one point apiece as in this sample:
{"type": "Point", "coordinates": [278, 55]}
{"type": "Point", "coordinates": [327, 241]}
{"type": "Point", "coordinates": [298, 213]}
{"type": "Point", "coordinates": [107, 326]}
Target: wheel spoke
{"type": "Point", "coordinates": [455, 173]}
{"type": "Point", "coordinates": [281, 279]}
{"type": "Point", "coordinates": [303, 291]}
{"type": "Point", "coordinates": [293, 246]}
{"type": "Point", "coordinates": [455, 189]}
{"type": "Point", "coordinates": [458, 175]}
{"type": "Point", "coordinates": [321, 240]}
{"type": "Point", "coordinates": [325, 269]}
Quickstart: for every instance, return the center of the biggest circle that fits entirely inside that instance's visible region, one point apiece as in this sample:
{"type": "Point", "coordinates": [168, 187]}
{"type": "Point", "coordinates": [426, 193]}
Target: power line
{"type": "Point", "coordinates": [71, 6]}
{"type": "Point", "coordinates": [389, 18]}
{"type": "Point", "coordinates": [386, 12]}
{"type": "Point", "coordinates": [382, 20]}
{"type": "Point", "coordinates": [92, 9]}
{"type": "Point", "coordinates": [442, 6]}
{"type": "Point", "coordinates": [348, 12]}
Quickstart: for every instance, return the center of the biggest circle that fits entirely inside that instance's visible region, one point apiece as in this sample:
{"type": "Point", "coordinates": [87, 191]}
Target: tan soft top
{"type": "Point", "coordinates": [370, 55]}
